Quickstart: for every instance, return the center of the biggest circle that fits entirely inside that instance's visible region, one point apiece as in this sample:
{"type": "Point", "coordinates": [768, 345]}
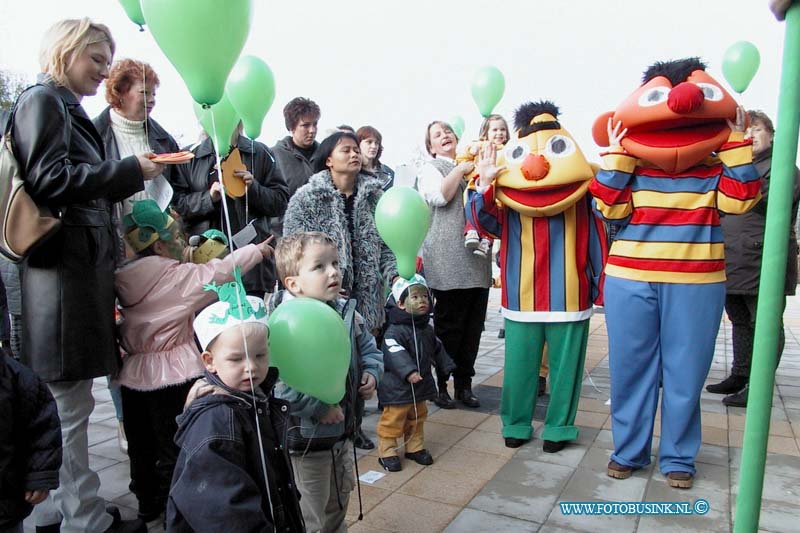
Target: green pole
{"type": "Point", "coordinates": [771, 287]}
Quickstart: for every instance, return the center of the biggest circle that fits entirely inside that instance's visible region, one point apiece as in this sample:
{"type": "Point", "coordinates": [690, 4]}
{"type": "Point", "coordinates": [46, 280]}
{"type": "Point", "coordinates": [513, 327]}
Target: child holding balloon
{"type": "Point", "coordinates": [409, 348]}
{"type": "Point", "coordinates": [320, 436]}
{"type": "Point", "coordinates": [494, 129]}
{"type": "Point", "coordinates": [233, 473]}
{"type": "Point", "coordinates": [159, 296]}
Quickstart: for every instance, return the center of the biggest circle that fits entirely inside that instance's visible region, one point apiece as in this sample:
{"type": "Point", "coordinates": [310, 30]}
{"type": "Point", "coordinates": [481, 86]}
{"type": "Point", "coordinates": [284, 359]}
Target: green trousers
{"type": "Point", "coordinates": [566, 349]}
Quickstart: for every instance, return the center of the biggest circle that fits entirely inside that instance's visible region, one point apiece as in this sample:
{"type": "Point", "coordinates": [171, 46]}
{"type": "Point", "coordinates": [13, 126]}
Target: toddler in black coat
{"type": "Point", "coordinates": [409, 348]}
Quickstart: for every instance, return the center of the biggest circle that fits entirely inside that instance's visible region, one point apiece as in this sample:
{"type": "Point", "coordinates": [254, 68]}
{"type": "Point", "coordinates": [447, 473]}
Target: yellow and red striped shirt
{"type": "Point", "coordinates": [670, 223]}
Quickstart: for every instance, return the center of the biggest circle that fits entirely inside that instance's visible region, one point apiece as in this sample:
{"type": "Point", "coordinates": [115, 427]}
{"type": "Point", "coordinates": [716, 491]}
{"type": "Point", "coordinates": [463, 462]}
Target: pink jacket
{"type": "Point", "coordinates": [159, 299]}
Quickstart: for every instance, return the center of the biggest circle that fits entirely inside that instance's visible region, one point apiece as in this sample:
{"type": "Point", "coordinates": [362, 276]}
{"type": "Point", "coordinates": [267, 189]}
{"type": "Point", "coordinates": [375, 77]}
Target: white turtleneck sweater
{"type": "Point", "coordinates": [131, 140]}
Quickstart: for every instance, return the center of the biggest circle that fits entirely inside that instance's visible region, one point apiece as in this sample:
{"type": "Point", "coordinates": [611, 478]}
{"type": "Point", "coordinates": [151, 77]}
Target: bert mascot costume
{"type": "Point", "coordinates": [535, 199]}
{"type": "Point", "coordinates": [677, 159]}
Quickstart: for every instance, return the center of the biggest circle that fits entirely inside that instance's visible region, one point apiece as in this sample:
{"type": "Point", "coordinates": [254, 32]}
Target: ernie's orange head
{"type": "Point", "coordinates": [675, 119]}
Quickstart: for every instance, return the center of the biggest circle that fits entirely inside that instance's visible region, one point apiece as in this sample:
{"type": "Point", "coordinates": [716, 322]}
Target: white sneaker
{"type": "Point", "coordinates": [484, 248]}
{"type": "Point", "coordinates": [471, 239]}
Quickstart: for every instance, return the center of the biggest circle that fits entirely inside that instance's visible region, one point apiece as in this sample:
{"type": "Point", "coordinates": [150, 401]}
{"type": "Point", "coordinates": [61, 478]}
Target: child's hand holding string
{"type": "Point", "coordinates": [368, 385]}
{"type": "Point", "coordinates": [333, 416]}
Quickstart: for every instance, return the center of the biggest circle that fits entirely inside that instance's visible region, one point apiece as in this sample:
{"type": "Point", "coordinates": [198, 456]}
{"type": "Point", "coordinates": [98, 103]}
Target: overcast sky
{"type": "Point", "coordinates": [399, 65]}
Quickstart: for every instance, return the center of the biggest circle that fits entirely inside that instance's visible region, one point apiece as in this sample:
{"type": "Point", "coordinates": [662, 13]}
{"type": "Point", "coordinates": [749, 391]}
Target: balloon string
{"type": "Point", "coordinates": [144, 102]}
{"type": "Point", "coordinates": [247, 189]}
{"type": "Point", "coordinates": [241, 327]}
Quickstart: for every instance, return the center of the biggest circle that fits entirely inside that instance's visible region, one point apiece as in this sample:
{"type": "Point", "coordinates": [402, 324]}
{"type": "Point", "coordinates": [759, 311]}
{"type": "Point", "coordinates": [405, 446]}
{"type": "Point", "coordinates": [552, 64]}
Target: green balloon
{"type": "Point", "coordinates": [457, 123]}
{"type": "Point", "coordinates": [134, 10]}
{"type": "Point", "coordinates": [310, 346]}
{"type": "Point", "coordinates": [201, 38]}
{"type": "Point", "coordinates": [220, 118]}
{"type": "Point", "coordinates": [403, 218]}
{"type": "Point", "coordinates": [740, 64]}
{"type": "Point", "coordinates": [251, 89]}
{"type": "Point", "coordinates": [488, 86]}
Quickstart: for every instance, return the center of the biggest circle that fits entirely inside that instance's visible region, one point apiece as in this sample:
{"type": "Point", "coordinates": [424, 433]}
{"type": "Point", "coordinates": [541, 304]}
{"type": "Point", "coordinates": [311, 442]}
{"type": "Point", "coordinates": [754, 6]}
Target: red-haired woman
{"type": "Point", "coordinates": [126, 125]}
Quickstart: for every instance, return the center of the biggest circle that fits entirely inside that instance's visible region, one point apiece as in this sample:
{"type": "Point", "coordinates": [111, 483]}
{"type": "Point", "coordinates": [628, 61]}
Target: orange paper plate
{"type": "Point", "coordinates": [175, 158]}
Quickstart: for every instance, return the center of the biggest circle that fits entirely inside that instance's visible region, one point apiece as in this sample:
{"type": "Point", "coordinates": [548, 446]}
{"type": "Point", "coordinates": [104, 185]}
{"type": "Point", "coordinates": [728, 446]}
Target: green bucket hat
{"type": "Point", "coordinates": [146, 224]}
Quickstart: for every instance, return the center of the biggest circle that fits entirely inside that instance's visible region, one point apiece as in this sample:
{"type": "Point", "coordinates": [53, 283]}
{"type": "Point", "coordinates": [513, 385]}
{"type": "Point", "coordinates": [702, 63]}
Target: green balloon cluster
{"type": "Point", "coordinates": [310, 346]}
{"type": "Point", "coordinates": [457, 123]}
{"type": "Point", "coordinates": [201, 38]}
{"type": "Point", "coordinates": [488, 86]}
{"type": "Point", "coordinates": [740, 64]}
{"type": "Point", "coordinates": [403, 218]}
{"type": "Point", "coordinates": [251, 90]}
{"type": "Point", "coordinates": [134, 11]}
{"type": "Point", "coordinates": [219, 121]}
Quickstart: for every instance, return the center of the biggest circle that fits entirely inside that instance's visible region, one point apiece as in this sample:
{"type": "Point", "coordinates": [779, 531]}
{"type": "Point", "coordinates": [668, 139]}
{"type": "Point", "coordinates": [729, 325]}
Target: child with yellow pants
{"type": "Point", "coordinates": [409, 348]}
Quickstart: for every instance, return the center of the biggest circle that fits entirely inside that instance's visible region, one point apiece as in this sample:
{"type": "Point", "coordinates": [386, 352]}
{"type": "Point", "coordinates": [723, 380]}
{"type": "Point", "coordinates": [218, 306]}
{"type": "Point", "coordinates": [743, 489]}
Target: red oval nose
{"type": "Point", "coordinates": [685, 98]}
{"type": "Point", "coordinates": [535, 167]}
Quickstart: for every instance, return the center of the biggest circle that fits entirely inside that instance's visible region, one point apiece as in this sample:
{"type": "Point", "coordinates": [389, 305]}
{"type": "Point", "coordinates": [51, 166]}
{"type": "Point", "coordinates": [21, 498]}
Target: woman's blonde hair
{"type": "Point", "coordinates": [65, 41]}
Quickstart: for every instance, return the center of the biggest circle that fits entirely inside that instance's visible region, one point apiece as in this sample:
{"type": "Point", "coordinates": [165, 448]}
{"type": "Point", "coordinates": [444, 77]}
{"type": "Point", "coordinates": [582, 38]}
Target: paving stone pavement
{"type": "Point", "coordinates": [476, 484]}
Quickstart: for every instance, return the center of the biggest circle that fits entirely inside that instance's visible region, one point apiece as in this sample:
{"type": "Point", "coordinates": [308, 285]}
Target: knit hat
{"type": "Point", "coordinates": [145, 224]}
{"type": "Point", "coordinates": [402, 285]}
{"type": "Point", "coordinates": [227, 313]}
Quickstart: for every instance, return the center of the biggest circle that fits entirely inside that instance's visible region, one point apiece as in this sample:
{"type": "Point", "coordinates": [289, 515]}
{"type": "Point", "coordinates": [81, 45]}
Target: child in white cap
{"type": "Point", "coordinates": [233, 472]}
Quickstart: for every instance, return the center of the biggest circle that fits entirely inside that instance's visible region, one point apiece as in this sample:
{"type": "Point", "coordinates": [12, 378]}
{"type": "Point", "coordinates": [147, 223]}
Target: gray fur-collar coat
{"type": "Point", "coordinates": [366, 262]}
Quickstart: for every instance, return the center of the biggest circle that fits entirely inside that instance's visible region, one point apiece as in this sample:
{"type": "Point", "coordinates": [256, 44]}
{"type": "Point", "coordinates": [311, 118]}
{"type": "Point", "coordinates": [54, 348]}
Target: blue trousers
{"type": "Point", "coordinates": [659, 332]}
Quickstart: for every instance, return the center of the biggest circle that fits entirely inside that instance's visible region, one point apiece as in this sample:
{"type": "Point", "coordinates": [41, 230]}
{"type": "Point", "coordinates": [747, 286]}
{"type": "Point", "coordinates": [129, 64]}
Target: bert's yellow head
{"type": "Point", "coordinates": [545, 172]}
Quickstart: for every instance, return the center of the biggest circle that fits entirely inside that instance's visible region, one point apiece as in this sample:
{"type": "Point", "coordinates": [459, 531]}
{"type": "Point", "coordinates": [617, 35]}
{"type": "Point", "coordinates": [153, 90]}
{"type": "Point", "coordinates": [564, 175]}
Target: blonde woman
{"type": "Point", "coordinates": [68, 282]}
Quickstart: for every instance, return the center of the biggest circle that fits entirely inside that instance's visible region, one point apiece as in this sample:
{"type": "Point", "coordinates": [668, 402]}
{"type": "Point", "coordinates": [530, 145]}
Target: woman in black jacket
{"type": "Point", "coordinates": [198, 199]}
{"type": "Point", "coordinates": [68, 282]}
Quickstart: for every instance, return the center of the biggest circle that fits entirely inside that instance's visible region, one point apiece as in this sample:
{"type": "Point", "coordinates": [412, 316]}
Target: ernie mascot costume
{"type": "Point", "coordinates": [535, 199]}
{"type": "Point", "coordinates": [677, 159]}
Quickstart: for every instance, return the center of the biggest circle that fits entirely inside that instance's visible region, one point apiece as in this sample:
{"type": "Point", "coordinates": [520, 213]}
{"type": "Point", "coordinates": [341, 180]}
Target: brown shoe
{"type": "Point", "coordinates": [619, 471]}
{"type": "Point", "coordinates": [680, 480]}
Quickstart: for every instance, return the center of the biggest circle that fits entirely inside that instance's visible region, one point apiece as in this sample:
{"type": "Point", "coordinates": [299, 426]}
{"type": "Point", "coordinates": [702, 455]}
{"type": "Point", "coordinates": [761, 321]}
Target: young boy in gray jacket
{"type": "Point", "coordinates": [320, 438]}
